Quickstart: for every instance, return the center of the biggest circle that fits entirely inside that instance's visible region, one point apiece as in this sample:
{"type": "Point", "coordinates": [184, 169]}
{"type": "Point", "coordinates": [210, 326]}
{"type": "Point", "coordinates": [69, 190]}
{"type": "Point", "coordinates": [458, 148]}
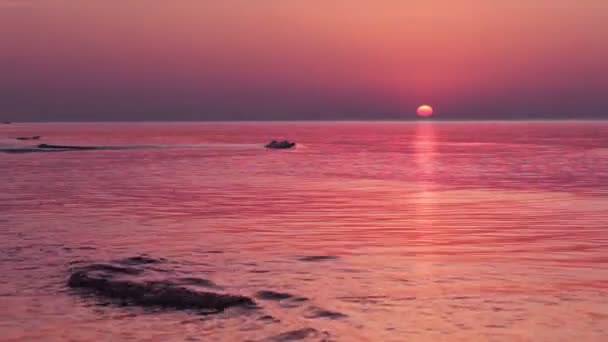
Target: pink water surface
{"type": "Point", "coordinates": [440, 231]}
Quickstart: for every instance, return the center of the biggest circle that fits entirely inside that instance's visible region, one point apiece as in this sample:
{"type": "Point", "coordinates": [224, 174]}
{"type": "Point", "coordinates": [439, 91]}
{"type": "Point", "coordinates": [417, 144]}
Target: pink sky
{"type": "Point", "coordinates": [302, 59]}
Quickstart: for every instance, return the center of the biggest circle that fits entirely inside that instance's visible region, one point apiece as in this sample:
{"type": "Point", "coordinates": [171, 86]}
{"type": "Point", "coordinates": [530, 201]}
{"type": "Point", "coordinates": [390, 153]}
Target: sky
{"type": "Point", "coordinates": [95, 60]}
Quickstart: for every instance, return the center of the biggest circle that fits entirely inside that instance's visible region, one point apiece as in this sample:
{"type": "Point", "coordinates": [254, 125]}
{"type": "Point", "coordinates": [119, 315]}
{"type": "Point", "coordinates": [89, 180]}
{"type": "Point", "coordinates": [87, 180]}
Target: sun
{"type": "Point", "coordinates": [425, 111]}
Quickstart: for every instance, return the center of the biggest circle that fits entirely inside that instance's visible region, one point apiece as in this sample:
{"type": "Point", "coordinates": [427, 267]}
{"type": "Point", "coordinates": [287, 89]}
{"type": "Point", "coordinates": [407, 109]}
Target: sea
{"type": "Point", "coordinates": [365, 231]}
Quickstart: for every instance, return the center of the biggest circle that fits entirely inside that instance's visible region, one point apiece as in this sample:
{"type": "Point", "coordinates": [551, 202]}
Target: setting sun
{"type": "Point", "coordinates": [424, 111]}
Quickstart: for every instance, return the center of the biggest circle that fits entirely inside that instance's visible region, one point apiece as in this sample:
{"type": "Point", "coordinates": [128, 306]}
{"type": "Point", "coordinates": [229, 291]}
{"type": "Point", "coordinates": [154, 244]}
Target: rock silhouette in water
{"type": "Point", "coordinates": [35, 137]}
{"type": "Point", "coordinates": [296, 335]}
{"type": "Point", "coordinates": [284, 144]}
{"type": "Point", "coordinates": [108, 281]}
{"type": "Point", "coordinates": [322, 313]}
{"type": "Point", "coordinates": [273, 295]}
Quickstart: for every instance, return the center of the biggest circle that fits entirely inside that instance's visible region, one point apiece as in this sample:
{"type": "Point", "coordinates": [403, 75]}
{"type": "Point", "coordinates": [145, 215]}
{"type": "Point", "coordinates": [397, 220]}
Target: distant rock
{"type": "Point", "coordinates": [7, 122]}
{"type": "Point", "coordinates": [283, 144]}
{"type": "Point", "coordinates": [322, 313]}
{"type": "Point", "coordinates": [35, 137]}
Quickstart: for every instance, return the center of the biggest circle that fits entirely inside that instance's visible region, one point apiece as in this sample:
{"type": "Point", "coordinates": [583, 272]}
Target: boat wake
{"type": "Point", "coordinates": [41, 148]}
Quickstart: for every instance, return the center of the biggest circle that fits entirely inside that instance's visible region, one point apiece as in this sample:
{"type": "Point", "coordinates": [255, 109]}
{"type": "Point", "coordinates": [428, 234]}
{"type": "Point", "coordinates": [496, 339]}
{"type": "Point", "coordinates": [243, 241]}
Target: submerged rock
{"type": "Point", "coordinates": [199, 282]}
{"type": "Point", "coordinates": [161, 294]}
{"type": "Point", "coordinates": [322, 313]}
{"type": "Point", "coordinates": [113, 282]}
{"type": "Point", "coordinates": [273, 295]}
{"type": "Point", "coordinates": [283, 144]}
{"type": "Point", "coordinates": [296, 335]}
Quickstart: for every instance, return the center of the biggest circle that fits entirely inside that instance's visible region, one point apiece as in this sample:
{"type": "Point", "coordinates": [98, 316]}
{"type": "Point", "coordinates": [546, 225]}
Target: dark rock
{"type": "Point", "coordinates": [122, 285]}
{"type": "Point", "coordinates": [318, 258]}
{"type": "Point", "coordinates": [272, 295]}
{"type": "Point", "coordinates": [158, 294]}
{"type": "Point", "coordinates": [284, 144]}
{"type": "Point", "coordinates": [35, 137]}
{"type": "Point", "coordinates": [322, 313]}
{"type": "Point", "coordinates": [7, 122]}
{"type": "Point", "coordinates": [199, 282]}
{"type": "Point", "coordinates": [295, 335]}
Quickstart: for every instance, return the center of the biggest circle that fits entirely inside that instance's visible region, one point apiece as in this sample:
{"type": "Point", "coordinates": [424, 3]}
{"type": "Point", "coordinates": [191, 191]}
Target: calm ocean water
{"type": "Point", "coordinates": [392, 231]}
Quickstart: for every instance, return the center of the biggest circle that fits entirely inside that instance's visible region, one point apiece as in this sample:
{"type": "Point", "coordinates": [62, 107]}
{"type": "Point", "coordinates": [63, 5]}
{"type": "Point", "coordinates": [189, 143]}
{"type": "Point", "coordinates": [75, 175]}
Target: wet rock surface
{"type": "Point", "coordinates": [116, 282]}
{"type": "Point", "coordinates": [156, 284]}
{"type": "Point", "coordinates": [273, 295]}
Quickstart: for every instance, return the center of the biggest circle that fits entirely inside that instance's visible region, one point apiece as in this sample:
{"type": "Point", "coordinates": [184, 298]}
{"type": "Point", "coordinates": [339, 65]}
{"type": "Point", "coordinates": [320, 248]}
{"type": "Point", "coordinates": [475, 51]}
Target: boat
{"type": "Point", "coordinates": [283, 144]}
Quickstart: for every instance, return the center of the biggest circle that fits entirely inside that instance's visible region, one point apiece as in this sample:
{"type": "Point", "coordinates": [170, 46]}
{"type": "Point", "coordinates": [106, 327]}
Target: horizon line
{"type": "Point", "coordinates": [312, 120]}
